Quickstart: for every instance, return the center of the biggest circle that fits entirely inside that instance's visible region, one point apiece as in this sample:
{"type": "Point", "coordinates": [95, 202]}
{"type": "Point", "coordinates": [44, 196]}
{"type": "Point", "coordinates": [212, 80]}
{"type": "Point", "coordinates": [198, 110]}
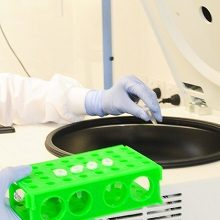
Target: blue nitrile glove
{"type": "Point", "coordinates": [122, 98]}
{"type": "Point", "coordinates": [7, 177]}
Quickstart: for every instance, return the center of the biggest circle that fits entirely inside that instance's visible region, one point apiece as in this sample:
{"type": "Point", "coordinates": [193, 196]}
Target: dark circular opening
{"type": "Point", "coordinates": [206, 13]}
{"type": "Point", "coordinates": [141, 188]}
{"type": "Point", "coordinates": [52, 208]}
{"type": "Point", "coordinates": [115, 194]}
{"type": "Point", "coordinates": [80, 202]}
{"type": "Point", "coordinates": [176, 142]}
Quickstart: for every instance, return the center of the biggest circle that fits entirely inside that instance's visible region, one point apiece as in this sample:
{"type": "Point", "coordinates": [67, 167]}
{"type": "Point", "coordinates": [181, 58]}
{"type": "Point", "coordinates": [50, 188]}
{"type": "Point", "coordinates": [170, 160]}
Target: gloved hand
{"type": "Point", "coordinates": [122, 98]}
{"type": "Point", "coordinates": [8, 176]}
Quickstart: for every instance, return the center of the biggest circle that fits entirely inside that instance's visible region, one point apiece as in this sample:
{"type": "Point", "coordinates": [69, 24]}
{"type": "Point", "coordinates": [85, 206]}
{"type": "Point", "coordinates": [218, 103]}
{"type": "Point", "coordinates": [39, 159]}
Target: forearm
{"type": "Point", "coordinates": [26, 100]}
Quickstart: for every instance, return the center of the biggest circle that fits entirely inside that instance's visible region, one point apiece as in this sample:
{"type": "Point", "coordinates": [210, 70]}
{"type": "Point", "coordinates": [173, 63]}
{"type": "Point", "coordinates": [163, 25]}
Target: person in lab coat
{"type": "Point", "coordinates": [63, 100]}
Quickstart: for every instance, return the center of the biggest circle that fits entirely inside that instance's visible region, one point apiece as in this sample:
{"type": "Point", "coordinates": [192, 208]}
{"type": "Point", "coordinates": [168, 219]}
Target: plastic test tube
{"type": "Point", "coordinates": [151, 116]}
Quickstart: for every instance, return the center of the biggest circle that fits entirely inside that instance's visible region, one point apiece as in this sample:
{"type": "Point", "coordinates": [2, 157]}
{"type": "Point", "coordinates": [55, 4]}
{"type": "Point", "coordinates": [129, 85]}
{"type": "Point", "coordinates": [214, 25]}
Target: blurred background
{"type": "Point", "coordinates": [65, 36]}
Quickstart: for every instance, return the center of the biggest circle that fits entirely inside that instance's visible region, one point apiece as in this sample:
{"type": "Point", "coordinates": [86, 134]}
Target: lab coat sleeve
{"type": "Point", "coordinates": [25, 100]}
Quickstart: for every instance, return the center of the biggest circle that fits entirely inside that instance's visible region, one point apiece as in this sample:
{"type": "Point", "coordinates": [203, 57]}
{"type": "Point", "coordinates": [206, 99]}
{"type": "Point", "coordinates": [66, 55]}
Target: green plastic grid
{"type": "Point", "coordinates": [88, 185]}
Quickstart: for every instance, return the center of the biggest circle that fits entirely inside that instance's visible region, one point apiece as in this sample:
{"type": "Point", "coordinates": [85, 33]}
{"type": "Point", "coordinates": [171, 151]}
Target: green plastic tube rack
{"type": "Point", "coordinates": [87, 185]}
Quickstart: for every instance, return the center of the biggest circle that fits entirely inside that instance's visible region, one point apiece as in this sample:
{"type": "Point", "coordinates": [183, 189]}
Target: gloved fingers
{"type": "Point", "coordinates": [10, 212]}
{"type": "Point", "coordinates": [130, 80]}
{"type": "Point", "coordinates": [157, 115]}
{"type": "Point", "coordinates": [16, 173]}
{"type": "Point", "coordinates": [136, 88]}
{"type": "Point", "coordinates": [147, 95]}
{"type": "Point", "coordinates": [136, 110]}
{"type": "Point", "coordinates": [10, 175]}
{"type": "Point", "coordinates": [149, 98]}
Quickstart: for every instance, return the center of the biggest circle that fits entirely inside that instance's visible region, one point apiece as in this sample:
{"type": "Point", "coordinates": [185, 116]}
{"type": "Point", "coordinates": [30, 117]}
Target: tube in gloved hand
{"type": "Point", "coordinates": [151, 116]}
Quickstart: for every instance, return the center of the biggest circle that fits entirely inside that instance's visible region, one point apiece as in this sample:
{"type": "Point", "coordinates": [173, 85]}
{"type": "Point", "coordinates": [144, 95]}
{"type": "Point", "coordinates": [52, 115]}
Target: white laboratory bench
{"type": "Point", "coordinates": [26, 145]}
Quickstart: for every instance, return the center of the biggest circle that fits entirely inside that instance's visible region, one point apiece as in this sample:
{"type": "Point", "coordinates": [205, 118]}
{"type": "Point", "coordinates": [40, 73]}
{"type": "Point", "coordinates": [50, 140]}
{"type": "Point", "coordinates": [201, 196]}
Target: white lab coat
{"type": "Point", "coordinates": [25, 100]}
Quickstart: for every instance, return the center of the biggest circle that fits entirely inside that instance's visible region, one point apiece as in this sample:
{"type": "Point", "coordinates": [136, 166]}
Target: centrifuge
{"type": "Point", "coordinates": [187, 142]}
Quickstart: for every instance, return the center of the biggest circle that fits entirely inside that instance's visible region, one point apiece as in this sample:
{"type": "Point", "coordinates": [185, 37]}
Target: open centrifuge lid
{"type": "Point", "coordinates": [188, 32]}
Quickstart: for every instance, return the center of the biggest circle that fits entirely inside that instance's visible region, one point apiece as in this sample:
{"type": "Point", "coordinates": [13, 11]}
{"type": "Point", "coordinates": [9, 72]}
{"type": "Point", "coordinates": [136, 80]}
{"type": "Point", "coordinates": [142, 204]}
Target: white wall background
{"type": "Point", "coordinates": [65, 36]}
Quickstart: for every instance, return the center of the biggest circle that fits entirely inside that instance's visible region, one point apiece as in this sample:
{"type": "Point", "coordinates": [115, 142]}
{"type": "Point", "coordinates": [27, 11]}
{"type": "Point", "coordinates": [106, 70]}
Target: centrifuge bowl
{"type": "Point", "coordinates": [176, 142]}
